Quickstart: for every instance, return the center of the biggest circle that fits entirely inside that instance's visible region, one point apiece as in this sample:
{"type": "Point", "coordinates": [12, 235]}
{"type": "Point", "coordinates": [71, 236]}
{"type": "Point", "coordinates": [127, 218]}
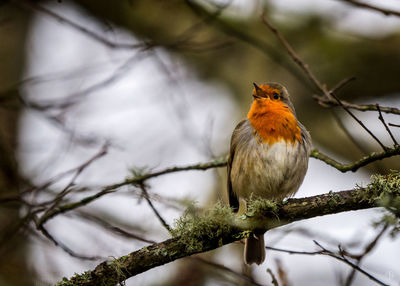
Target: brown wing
{"type": "Point", "coordinates": [233, 199]}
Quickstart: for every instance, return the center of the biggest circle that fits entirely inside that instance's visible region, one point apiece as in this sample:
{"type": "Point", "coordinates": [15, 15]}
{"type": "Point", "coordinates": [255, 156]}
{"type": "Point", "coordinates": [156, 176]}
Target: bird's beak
{"type": "Point", "coordinates": [259, 92]}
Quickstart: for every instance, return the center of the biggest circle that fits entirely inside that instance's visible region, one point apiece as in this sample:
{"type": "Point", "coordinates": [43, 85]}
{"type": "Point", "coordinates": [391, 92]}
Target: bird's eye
{"type": "Point", "coordinates": [275, 95]}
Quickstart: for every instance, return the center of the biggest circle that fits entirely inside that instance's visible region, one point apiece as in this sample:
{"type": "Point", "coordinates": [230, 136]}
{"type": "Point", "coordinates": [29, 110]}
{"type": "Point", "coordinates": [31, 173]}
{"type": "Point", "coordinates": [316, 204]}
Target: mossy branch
{"type": "Point", "coordinates": [370, 158]}
{"type": "Point", "coordinates": [219, 226]}
{"type": "Point", "coordinates": [138, 178]}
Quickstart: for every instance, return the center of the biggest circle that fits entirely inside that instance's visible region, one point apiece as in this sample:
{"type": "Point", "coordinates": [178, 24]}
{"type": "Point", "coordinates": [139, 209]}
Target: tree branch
{"type": "Point", "coordinates": [321, 87]}
{"type": "Point", "coordinates": [372, 157]}
{"type": "Point", "coordinates": [322, 100]}
{"type": "Point", "coordinates": [140, 178]}
{"type": "Point", "coordinates": [219, 226]}
{"type": "Point", "coordinates": [386, 12]}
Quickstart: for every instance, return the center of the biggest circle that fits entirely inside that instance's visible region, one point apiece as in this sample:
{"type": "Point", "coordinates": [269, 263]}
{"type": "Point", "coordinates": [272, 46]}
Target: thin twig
{"type": "Point", "coordinates": [394, 125]}
{"type": "Point", "coordinates": [226, 269]}
{"type": "Point", "coordinates": [372, 157]}
{"type": "Point", "coordinates": [72, 253]}
{"type": "Point", "coordinates": [361, 256]}
{"type": "Point", "coordinates": [359, 122]}
{"type": "Point", "coordinates": [341, 257]}
{"type": "Point", "coordinates": [160, 218]}
{"type": "Point", "coordinates": [31, 5]}
{"type": "Point", "coordinates": [242, 34]}
{"type": "Point", "coordinates": [137, 180]}
{"type": "Point", "coordinates": [274, 280]}
{"type": "Point", "coordinates": [341, 84]}
{"type": "Point", "coordinates": [294, 56]}
{"type": "Point", "coordinates": [386, 127]}
{"type": "Point", "coordinates": [67, 189]}
{"type": "Point", "coordinates": [313, 78]}
{"type": "Point", "coordinates": [386, 12]}
{"type": "Point", "coordinates": [114, 229]}
{"type": "Point", "coordinates": [322, 100]}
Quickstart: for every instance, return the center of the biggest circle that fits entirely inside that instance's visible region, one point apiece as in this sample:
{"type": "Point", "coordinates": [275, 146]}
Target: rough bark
{"type": "Point", "coordinates": [220, 227]}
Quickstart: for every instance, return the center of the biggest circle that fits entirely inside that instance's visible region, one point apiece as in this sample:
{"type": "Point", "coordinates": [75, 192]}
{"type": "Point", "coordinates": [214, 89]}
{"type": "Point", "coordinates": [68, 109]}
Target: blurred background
{"type": "Point", "coordinates": [110, 90]}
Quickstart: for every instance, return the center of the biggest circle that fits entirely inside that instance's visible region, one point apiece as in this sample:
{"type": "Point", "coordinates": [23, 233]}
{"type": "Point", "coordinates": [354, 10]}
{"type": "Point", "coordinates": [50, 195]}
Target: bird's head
{"type": "Point", "coordinates": [272, 94]}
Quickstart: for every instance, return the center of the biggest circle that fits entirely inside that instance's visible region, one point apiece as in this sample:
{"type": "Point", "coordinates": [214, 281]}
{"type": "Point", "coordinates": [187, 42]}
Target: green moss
{"type": "Point", "coordinates": [138, 172]}
{"type": "Point", "coordinates": [192, 227]}
{"type": "Point", "coordinates": [258, 207]}
{"type": "Point", "coordinates": [243, 234]}
{"type": "Point", "coordinates": [118, 265]}
{"type": "Point", "coordinates": [145, 250]}
{"type": "Point", "coordinates": [387, 189]}
{"type": "Point", "coordinates": [384, 185]}
{"type": "Point", "coordinates": [78, 279]}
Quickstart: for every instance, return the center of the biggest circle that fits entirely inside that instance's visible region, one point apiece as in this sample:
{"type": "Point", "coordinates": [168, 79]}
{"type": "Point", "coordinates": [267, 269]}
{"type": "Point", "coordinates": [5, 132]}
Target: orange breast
{"type": "Point", "coordinates": [273, 121]}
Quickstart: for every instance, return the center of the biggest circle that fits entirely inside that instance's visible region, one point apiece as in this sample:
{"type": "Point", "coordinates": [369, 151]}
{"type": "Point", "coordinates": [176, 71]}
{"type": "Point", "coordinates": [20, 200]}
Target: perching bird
{"type": "Point", "coordinates": [268, 156]}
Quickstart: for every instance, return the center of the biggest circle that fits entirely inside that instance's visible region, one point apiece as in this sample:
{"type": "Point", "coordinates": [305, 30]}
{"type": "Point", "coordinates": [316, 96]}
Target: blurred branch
{"type": "Point", "coordinates": [248, 279]}
{"type": "Point", "coordinates": [68, 188]}
{"type": "Point", "coordinates": [372, 157]}
{"type": "Point", "coordinates": [339, 256]}
{"type": "Point", "coordinates": [212, 232]}
{"type": "Point", "coordinates": [274, 281]}
{"type": "Point", "coordinates": [32, 5]}
{"type": "Point", "coordinates": [238, 32]}
{"type": "Point", "coordinates": [156, 212]}
{"type": "Point", "coordinates": [64, 247]}
{"type": "Point", "coordinates": [384, 11]}
{"type": "Point", "coordinates": [386, 127]}
{"type": "Point", "coordinates": [313, 78]}
{"type": "Point", "coordinates": [361, 256]}
{"type": "Point", "coordinates": [367, 107]}
{"type": "Point", "coordinates": [295, 57]}
{"type": "Point", "coordinates": [137, 180]}
{"type": "Point", "coordinates": [112, 228]}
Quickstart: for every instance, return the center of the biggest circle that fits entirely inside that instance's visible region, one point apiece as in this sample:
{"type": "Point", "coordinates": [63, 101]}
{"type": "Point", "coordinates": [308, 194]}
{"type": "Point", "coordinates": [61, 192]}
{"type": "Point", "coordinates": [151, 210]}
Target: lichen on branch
{"type": "Point", "coordinates": [218, 226]}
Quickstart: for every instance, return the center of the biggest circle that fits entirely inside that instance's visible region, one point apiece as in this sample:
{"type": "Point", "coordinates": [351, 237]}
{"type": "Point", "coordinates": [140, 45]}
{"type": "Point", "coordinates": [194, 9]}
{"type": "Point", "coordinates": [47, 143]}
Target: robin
{"type": "Point", "coordinates": [268, 156]}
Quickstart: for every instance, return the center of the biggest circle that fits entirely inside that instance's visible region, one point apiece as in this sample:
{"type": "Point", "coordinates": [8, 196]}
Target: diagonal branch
{"type": "Point", "coordinates": [372, 157]}
{"type": "Point", "coordinates": [313, 78]}
{"type": "Point", "coordinates": [222, 227]}
{"type": "Point", "coordinates": [386, 127]}
{"type": "Point", "coordinates": [31, 5]}
{"type": "Point", "coordinates": [386, 12]}
{"type": "Point", "coordinates": [322, 100]}
{"type": "Point", "coordinates": [156, 212]}
{"type": "Point", "coordinates": [137, 180]}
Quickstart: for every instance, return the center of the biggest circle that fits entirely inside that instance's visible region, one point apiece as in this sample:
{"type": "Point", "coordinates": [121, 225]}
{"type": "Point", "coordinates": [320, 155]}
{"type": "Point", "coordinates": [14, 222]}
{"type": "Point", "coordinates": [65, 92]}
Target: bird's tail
{"type": "Point", "coordinates": [254, 249]}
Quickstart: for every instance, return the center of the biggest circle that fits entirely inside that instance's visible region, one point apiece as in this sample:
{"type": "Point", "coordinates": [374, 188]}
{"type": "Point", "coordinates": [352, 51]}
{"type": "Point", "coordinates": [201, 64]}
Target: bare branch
{"type": "Point", "coordinates": [361, 256]}
{"type": "Point", "coordinates": [322, 100]}
{"type": "Point", "coordinates": [386, 12]}
{"type": "Point", "coordinates": [386, 127]}
{"type": "Point", "coordinates": [137, 180]}
{"type": "Point", "coordinates": [156, 212]}
{"type": "Point", "coordinates": [314, 79]}
{"type": "Point", "coordinates": [232, 228]}
{"type": "Point", "coordinates": [341, 257]}
{"type": "Point", "coordinates": [32, 5]}
{"type": "Point", "coordinates": [66, 248]}
{"type": "Point", "coordinates": [341, 84]}
{"type": "Point", "coordinates": [373, 157]}
{"type": "Point", "coordinates": [110, 227]}
{"type": "Point", "coordinates": [226, 269]}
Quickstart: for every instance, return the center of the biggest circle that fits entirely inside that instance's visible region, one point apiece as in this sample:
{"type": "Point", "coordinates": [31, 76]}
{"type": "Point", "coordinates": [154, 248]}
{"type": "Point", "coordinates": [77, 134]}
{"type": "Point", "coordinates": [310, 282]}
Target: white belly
{"type": "Point", "coordinates": [268, 171]}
